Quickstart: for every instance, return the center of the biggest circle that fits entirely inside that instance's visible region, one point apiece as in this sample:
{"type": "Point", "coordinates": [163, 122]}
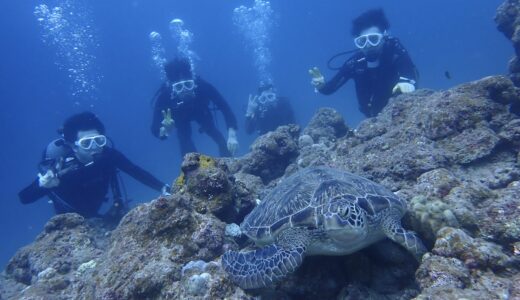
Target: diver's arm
{"type": "Point", "coordinates": [343, 75]}
{"type": "Point", "coordinates": [32, 193]}
{"type": "Point", "coordinates": [404, 63]}
{"type": "Point", "coordinates": [125, 165]}
{"type": "Point", "coordinates": [250, 125]}
{"type": "Point", "coordinates": [212, 93]}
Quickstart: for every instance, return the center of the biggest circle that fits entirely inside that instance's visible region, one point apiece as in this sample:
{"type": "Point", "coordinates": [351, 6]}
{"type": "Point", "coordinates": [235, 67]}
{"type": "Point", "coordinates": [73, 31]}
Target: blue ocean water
{"type": "Point", "coordinates": [446, 35]}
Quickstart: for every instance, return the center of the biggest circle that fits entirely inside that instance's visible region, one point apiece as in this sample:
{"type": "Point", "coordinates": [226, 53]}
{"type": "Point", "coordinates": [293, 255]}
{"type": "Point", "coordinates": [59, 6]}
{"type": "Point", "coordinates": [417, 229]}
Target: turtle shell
{"type": "Point", "coordinates": [298, 201]}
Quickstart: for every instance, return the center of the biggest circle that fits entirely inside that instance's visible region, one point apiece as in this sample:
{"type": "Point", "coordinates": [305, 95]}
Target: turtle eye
{"type": "Point", "coordinates": [344, 211]}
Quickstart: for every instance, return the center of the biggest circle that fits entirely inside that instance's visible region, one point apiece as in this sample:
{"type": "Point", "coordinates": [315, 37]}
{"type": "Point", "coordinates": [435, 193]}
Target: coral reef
{"type": "Point", "coordinates": [272, 153]}
{"type": "Point", "coordinates": [453, 155]}
{"type": "Point", "coordinates": [508, 22]}
{"type": "Point", "coordinates": [212, 188]}
{"type": "Point", "coordinates": [326, 126]}
{"type": "Point", "coordinates": [462, 267]}
{"type": "Point", "coordinates": [142, 258]}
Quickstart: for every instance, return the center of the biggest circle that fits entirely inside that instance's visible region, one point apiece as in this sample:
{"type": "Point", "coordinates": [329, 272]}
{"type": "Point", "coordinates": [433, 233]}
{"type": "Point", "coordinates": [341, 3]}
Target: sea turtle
{"type": "Point", "coordinates": [316, 211]}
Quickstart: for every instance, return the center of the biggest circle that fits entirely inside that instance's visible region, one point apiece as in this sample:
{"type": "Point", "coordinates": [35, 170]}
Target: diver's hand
{"type": "Point", "coordinates": [252, 105]}
{"type": "Point", "coordinates": [167, 123]}
{"type": "Point", "coordinates": [403, 88]}
{"type": "Point", "coordinates": [317, 78]}
{"type": "Point", "coordinates": [48, 180]}
{"type": "Point", "coordinates": [232, 143]}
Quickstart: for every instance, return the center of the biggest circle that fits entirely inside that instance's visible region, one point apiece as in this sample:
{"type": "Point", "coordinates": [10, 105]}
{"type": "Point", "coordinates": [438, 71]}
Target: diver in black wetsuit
{"type": "Point", "coordinates": [266, 111]}
{"type": "Point", "coordinates": [184, 98]}
{"type": "Point", "coordinates": [77, 171]}
{"type": "Point", "coordinates": [380, 68]}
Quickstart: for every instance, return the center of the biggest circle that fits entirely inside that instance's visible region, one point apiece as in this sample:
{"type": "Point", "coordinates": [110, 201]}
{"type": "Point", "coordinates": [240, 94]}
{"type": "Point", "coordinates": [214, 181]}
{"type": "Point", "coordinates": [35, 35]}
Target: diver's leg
{"type": "Point", "coordinates": [184, 135]}
{"type": "Point", "coordinates": [221, 142]}
{"type": "Point", "coordinates": [208, 126]}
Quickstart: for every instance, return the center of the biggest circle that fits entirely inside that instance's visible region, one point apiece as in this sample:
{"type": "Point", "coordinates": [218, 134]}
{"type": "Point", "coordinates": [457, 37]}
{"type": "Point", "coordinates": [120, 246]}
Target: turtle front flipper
{"type": "Point", "coordinates": [394, 230]}
{"type": "Point", "coordinates": [267, 265]}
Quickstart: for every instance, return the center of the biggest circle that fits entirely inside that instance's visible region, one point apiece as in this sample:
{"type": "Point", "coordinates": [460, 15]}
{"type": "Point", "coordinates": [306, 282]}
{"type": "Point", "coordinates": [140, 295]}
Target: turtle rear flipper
{"type": "Point", "coordinates": [267, 265]}
{"type": "Point", "coordinates": [394, 230]}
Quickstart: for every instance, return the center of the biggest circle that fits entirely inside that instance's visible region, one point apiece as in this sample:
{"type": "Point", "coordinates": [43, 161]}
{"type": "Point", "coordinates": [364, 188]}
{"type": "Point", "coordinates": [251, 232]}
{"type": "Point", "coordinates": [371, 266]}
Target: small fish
{"type": "Point", "coordinates": [447, 74]}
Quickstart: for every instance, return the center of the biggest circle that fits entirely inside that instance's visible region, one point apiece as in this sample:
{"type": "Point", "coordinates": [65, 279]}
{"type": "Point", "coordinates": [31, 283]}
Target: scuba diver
{"type": "Point", "coordinates": [184, 98]}
{"type": "Point", "coordinates": [77, 171]}
{"type": "Point", "coordinates": [381, 67]}
{"type": "Point", "coordinates": [266, 111]}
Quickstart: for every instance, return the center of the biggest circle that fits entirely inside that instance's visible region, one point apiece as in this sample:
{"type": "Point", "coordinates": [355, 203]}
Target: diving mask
{"type": "Point", "coordinates": [180, 87]}
{"type": "Point", "coordinates": [374, 39]}
{"type": "Point", "coordinates": [266, 97]}
{"type": "Point", "coordinates": [88, 142]}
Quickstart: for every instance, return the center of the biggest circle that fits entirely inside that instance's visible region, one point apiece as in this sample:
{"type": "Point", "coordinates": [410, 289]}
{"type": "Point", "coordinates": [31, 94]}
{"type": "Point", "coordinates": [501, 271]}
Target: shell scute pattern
{"type": "Point", "coordinates": [282, 202]}
{"type": "Point", "coordinates": [304, 198]}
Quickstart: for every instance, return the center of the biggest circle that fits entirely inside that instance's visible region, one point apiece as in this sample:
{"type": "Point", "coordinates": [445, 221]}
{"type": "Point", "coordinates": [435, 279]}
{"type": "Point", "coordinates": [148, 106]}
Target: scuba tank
{"type": "Point", "coordinates": [58, 157]}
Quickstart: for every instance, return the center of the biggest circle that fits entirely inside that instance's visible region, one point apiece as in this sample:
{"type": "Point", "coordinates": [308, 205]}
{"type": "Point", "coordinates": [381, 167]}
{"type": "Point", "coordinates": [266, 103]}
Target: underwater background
{"type": "Point", "coordinates": [454, 36]}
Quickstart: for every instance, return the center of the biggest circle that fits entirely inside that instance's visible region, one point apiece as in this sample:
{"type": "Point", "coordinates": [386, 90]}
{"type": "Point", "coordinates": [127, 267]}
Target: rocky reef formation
{"type": "Point", "coordinates": [166, 249]}
{"type": "Point", "coordinates": [508, 22]}
{"type": "Point", "coordinates": [453, 155]}
{"type": "Point", "coordinates": [271, 153]}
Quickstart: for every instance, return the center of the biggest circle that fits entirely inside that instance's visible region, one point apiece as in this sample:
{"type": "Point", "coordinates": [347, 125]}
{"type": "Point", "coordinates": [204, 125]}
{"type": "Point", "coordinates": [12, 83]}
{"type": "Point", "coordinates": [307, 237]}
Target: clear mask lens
{"type": "Point", "coordinates": [374, 39]}
{"type": "Point", "coordinates": [360, 41]}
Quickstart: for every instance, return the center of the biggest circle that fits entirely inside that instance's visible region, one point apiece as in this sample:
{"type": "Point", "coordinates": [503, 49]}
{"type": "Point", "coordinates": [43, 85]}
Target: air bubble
{"type": "Point", "coordinates": [67, 29]}
{"type": "Point", "coordinates": [158, 53]}
{"type": "Point", "coordinates": [255, 23]}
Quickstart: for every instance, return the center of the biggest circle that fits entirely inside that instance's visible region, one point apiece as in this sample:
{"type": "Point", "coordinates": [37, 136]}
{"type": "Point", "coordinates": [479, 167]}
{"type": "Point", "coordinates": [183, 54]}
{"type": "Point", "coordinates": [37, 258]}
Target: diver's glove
{"type": "Point", "coordinates": [317, 78]}
{"type": "Point", "coordinates": [404, 86]}
{"type": "Point", "coordinates": [166, 191]}
{"type": "Point", "coordinates": [167, 123]}
{"type": "Point", "coordinates": [48, 180]}
{"type": "Point", "coordinates": [232, 143]}
{"type": "Point", "coordinates": [252, 105]}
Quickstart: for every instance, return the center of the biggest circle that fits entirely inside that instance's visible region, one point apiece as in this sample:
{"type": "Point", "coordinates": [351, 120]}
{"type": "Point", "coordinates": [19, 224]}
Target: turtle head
{"type": "Point", "coordinates": [345, 217]}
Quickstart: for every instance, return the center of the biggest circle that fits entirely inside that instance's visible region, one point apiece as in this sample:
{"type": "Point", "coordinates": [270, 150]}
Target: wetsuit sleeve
{"type": "Point", "coordinates": [212, 93]}
{"type": "Point", "coordinates": [125, 165]}
{"type": "Point", "coordinates": [161, 103]}
{"type": "Point", "coordinates": [405, 66]}
{"type": "Point", "coordinates": [250, 125]}
{"type": "Point", "coordinates": [32, 193]}
{"type": "Point", "coordinates": [343, 75]}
